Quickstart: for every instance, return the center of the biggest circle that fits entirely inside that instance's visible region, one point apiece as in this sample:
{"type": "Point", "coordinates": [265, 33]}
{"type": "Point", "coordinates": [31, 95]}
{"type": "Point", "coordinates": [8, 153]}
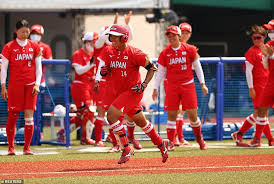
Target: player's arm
{"type": "Point", "coordinates": [151, 69]}
{"type": "Point", "coordinates": [200, 74]}
{"type": "Point", "coordinates": [127, 19]}
{"type": "Point", "coordinates": [4, 69]}
{"type": "Point", "coordinates": [102, 39]}
{"type": "Point", "coordinates": [249, 78]}
{"type": "Point", "coordinates": [79, 69]}
{"type": "Point", "coordinates": [38, 74]}
{"type": "Point", "coordinates": [160, 75]}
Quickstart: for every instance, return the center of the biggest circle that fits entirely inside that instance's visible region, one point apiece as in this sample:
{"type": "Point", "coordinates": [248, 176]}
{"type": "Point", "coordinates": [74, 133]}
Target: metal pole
{"type": "Point", "coordinates": [219, 101]}
{"type": "Point", "coordinates": [66, 88]}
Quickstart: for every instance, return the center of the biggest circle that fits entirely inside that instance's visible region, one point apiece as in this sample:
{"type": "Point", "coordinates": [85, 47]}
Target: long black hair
{"type": "Point", "coordinates": [20, 24]}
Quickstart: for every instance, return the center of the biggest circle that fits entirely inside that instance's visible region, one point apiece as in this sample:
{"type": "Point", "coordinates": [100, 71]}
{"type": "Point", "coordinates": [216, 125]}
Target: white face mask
{"type": "Point", "coordinates": [89, 47]}
{"type": "Point", "coordinates": [35, 37]}
{"type": "Point", "coordinates": [271, 36]}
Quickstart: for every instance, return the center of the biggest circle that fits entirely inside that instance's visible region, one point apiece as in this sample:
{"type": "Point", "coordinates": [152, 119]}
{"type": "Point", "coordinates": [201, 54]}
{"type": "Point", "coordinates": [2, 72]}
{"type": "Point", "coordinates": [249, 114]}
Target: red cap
{"type": "Point", "coordinates": [270, 25]}
{"type": "Point", "coordinates": [173, 29]}
{"type": "Point", "coordinates": [185, 27]}
{"type": "Point", "coordinates": [37, 28]}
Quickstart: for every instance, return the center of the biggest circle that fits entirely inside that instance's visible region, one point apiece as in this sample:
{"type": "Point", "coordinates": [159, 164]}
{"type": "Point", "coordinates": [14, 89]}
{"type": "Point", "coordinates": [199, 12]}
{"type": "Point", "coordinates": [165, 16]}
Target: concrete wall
{"type": "Point", "coordinates": [144, 39]}
{"type": "Point", "coordinates": [58, 30]}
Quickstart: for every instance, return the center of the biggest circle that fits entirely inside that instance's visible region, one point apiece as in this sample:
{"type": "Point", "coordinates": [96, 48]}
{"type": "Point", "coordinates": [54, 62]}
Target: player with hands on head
{"type": "Point", "coordinates": [123, 61]}
{"type": "Point", "coordinates": [23, 58]}
{"type": "Point", "coordinates": [175, 64]}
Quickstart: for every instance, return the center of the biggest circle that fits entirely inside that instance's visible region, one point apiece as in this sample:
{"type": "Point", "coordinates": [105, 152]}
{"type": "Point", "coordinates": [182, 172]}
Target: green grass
{"type": "Point", "coordinates": [247, 177]}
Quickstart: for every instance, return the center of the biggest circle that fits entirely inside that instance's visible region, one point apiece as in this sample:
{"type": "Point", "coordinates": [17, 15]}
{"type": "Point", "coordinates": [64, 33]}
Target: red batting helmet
{"type": "Point", "coordinates": [37, 28]}
{"type": "Point", "coordinates": [185, 27]}
{"type": "Point", "coordinates": [119, 30]}
{"type": "Point", "coordinates": [270, 25]}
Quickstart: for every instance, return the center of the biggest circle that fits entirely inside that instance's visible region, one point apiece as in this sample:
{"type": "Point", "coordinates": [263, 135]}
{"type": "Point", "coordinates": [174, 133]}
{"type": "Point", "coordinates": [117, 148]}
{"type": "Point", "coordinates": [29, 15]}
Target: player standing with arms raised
{"type": "Point", "coordinates": [175, 63]}
{"type": "Point", "coordinates": [122, 62]}
{"type": "Point", "coordinates": [23, 57]}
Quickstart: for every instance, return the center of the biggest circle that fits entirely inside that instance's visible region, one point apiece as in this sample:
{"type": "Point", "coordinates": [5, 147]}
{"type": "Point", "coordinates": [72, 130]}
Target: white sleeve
{"type": "Point", "coordinates": [102, 39]}
{"type": "Point", "coordinates": [265, 62]}
{"type": "Point", "coordinates": [38, 70]}
{"type": "Point", "coordinates": [4, 70]}
{"type": "Point", "coordinates": [130, 34]}
{"type": "Point", "coordinates": [199, 70]}
{"type": "Point", "coordinates": [79, 69]}
{"type": "Point", "coordinates": [160, 75]}
{"type": "Point", "coordinates": [248, 73]}
{"type": "Point", "coordinates": [98, 76]}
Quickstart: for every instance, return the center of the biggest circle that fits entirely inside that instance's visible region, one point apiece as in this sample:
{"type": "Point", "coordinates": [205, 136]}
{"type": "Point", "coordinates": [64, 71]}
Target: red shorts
{"type": "Point", "coordinates": [98, 97]}
{"type": "Point", "coordinates": [180, 94]}
{"type": "Point", "coordinates": [20, 97]}
{"type": "Point", "coordinates": [257, 100]}
{"type": "Point", "coordinates": [267, 99]}
{"type": "Point", "coordinates": [81, 94]}
{"type": "Point", "coordinates": [128, 102]}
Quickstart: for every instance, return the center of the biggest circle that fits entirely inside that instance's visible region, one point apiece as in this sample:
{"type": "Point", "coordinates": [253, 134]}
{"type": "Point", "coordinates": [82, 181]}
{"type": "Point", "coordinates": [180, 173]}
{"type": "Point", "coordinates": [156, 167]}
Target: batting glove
{"type": "Point", "coordinates": [104, 71]}
{"type": "Point", "coordinates": [139, 88]}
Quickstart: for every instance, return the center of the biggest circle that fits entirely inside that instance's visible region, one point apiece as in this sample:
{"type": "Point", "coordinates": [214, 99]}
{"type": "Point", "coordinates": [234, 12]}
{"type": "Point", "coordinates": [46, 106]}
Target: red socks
{"type": "Point", "coordinates": [248, 123]}
{"type": "Point", "coordinates": [120, 134]}
{"type": "Point", "coordinates": [130, 129]}
{"type": "Point", "coordinates": [151, 132]}
{"type": "Point", "coordinates": [28, 132]}
{"type": "Point", "coordinates": [99, 123]}
{"type": "Point", "coordinates": [260, 124]}
{"type": "Point", "coordinates": [196, 127]}
{"type": "Point", "coordinates": [170, 130]}
{"type": "Point", "coordinates": [179, 128]}
{"type": "Point", "coordinates": [11, 127]}
{"type": "Point", "coordinates": [267, 131]}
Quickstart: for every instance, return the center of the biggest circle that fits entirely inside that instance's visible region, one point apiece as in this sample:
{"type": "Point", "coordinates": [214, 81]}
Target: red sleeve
{"type": "Point", "coordinates": [6, 51]}
{"type": "Point", "coordinates": [48, 53]}
{"type": "Point", "coordinates": [76, 58]}
{"type": "Point", "coordinates": [139, 57]}
{"type": "Point", "coordinates": [192, 52]}
{"type": "Point", "coordinates": [162, 59]}
{"type": "Point", "coordinates": [249, 56]}
{"type": "Point", "coordinates": [36, 49]}
{"type": "Point", "coordinates": [104, 55]}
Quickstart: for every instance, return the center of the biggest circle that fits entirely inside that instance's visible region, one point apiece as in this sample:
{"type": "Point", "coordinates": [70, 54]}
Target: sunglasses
{"type": "Point", "coordinates": [257, 37]}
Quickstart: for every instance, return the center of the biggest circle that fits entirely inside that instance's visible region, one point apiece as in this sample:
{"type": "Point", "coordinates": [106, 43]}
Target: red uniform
{"type": "Point", "coordinates": [81, 87]}
{"type": "Point", "coordinates": [21, 74]}
{"type": "Point", "coordinates": [180, 87]}
{"type": "Point", "coordinates": [268, 94]}
{"type": "Point", "coordinates": [254, 56]}
{"type": "Point", "coordinates": [46, 54]}
{"type": "Point", "coordinates": [98, 97]}
{"type": "Point", "coordinates": [124, 75]}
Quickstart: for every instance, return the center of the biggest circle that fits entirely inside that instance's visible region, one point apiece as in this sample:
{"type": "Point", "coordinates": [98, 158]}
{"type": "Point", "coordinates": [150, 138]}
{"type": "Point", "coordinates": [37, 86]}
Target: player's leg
{"type": "Point", "coordinates": [248, 123]}
{"type": "Point", "coordinates": [180, 140]}
{"type": "Point", "coordinates": [171, 128]}
{"type": "Point", "coordinates": [268, 134]}
{"type": "Point", "coordinates": [29, 107]}
{"type": "Point", "coordinates": [113, 115]}
{"type": "Point", "coordinates": [87, 125]}
{"type": "Point", "coordinates": [99, 123]}
{"type": "Point", "coordinates": [15, 105]}
{"type": "Point", "coordinates": [196, 127]}
{"type": "Point", "coordinates": [130, 130]}
{"type": "Point", "coordinates": [147, 127]}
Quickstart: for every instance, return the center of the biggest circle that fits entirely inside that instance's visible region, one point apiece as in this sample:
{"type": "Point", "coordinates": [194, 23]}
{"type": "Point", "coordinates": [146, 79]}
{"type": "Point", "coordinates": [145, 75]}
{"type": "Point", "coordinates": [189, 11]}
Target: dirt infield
{"type": "Point", "coordinates": [22, 170]}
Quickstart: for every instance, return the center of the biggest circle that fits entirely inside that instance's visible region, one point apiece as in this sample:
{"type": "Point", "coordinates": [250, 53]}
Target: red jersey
{"type": "Point", "coordinates": [255, 57]}
{"type": "Point", "coordinates": [21, 61]}
{"type": "Point", "coordinates": [271, 61]}
{"type": "Point", "coordinates": [46, 54]}
{"type": "Point", "coordinates": [124, 66]}
{"type": "Point", "coordinates": [82, 58]}
{"type": "Point", "coordinates": [178, 63]}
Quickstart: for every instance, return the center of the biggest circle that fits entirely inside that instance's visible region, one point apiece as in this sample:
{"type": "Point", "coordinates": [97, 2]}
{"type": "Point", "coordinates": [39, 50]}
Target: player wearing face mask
{"type": "Point", "coordinates": [84, 68]}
